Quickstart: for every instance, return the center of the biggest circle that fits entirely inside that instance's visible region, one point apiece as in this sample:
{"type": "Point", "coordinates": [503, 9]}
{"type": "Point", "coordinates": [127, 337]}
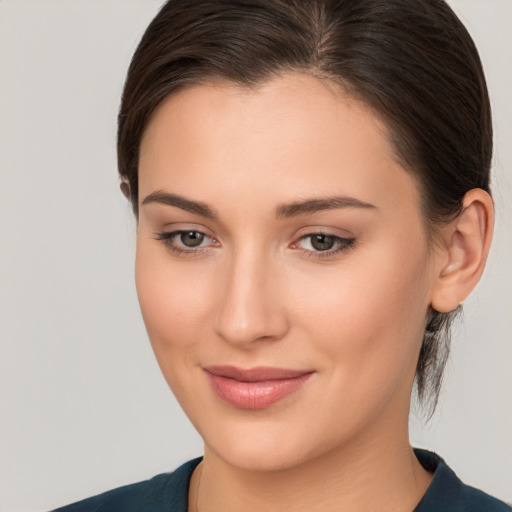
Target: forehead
{"type": "Point", "coordinates": [294, 135]}
{"type": "Point", "coordinates": [296, 97]}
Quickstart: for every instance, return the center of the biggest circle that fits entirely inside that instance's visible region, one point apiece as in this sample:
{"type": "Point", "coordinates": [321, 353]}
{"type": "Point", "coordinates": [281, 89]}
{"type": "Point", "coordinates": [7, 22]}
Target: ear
{"type": "Point", "coordinates": [125, 188]}
{"type": "Point", "coordinates": [461, 259]}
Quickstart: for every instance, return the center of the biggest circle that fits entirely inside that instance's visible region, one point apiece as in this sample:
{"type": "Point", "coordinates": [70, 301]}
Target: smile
{"type": "Point", "coordinates": [255, 388]}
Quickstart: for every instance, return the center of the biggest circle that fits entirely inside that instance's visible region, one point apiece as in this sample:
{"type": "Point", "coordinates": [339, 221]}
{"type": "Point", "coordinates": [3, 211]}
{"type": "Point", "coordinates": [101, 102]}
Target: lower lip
{"type": "Point", "coordinates": [255, 395]}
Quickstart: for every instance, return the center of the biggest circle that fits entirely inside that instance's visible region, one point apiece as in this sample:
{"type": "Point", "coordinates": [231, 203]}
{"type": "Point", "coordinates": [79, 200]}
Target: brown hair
{"type": "Point", "coordinates": [411, 61]}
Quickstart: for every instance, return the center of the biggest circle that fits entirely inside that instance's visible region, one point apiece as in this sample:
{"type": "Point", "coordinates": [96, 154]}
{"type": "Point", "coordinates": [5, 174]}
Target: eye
{"type": "Point", "coordinates": [320, 242]}
{"type": "Point", "coordinates": [323, 244]}
{"type": "Point", "coordinates": [191, 238]}
{"type": "Point", "coordinates": [186, 241]}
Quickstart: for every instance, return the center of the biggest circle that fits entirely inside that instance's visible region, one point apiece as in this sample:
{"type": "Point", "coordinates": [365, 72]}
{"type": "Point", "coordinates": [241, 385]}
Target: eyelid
{"type": "Point", "coordinates": [168, 237]}
{"type": "Point", "coordinates": [323, 229]}
{"type": "Point", "coordinates": [342, 244]}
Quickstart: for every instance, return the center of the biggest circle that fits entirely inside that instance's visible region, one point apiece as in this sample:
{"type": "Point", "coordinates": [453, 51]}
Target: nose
{"type": "Point", "coordinates": [251, 305]}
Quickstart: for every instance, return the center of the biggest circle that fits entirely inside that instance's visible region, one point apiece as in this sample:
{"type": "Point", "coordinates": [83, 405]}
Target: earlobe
{"type": "Point", "coordinates": [463, 257]}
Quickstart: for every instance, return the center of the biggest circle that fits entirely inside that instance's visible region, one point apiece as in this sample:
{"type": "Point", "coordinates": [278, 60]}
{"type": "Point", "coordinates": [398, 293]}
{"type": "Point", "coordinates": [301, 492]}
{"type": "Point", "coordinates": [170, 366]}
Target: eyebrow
{"type": "Point", "coordinates": [283, 211]}
{"type": "Point", "coordinates": [188, 205]}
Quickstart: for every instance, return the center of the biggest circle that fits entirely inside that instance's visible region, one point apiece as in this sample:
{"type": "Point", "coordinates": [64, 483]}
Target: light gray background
{"type": "Point", "coordinates": [83, 406]}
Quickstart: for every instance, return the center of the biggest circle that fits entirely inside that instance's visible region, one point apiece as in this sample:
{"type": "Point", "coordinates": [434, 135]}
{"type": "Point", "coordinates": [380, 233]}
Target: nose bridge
{"type": "Point", "coordinates": [249, 306]}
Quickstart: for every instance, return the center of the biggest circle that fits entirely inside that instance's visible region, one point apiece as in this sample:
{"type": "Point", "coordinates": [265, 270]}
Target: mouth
{"type": "Point", "coordinates": [255, 388]}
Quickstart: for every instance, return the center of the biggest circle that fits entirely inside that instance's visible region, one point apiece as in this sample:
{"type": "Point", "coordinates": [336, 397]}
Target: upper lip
{"type": "Point", "coordinates": [256, 374]}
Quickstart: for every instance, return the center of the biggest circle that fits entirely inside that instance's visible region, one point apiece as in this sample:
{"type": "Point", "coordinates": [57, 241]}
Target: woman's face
{"type": "Point", "coordinates": [282, 269]}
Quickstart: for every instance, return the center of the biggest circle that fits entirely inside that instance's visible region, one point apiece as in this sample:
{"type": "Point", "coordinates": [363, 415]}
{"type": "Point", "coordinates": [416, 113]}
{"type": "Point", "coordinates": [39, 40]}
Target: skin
{"type": "Point", "coordinates": [256, 292]}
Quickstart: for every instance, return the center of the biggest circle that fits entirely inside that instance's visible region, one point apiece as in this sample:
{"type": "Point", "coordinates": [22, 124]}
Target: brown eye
{"type": "Point", "coordinates": [185, 242]}
{"type": "Point", "coordinates": [191, 238]}
{"type": "Point", "coordinates": [321, 242]}
{"type": "Point", "coordinates": [317, 245]}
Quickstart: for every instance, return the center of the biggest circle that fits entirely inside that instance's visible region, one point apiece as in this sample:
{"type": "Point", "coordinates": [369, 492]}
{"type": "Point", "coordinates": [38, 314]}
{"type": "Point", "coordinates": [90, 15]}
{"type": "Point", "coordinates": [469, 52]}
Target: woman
{"type": "Point", "coordinates": [311, 186]}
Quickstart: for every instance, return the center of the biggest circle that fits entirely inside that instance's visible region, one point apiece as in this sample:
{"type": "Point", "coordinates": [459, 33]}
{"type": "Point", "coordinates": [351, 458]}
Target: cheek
{"type": "Point", "coordinates": [175, 302]}
{"type": "Point", "coordinates": [368, 322]}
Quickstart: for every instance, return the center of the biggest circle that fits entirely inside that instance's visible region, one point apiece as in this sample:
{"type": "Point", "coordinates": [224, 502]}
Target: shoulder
{"type": "Point", "coordinates": [153, 495]}
{"type": "Point", "coordinates": [480, 502]}
{"type": "Point", "coordinates": [447, 493]}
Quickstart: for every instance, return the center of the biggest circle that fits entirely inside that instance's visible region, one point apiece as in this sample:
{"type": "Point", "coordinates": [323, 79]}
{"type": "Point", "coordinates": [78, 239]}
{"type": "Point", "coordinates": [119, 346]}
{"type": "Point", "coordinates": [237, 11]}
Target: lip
{"type": "Point", "coordinates": [255, 388]}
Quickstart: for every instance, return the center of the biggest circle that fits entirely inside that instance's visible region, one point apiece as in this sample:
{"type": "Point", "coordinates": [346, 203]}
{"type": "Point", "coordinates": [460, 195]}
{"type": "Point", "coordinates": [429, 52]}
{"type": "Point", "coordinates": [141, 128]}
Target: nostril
{"type": "Point", "coordinates": [244, 324]}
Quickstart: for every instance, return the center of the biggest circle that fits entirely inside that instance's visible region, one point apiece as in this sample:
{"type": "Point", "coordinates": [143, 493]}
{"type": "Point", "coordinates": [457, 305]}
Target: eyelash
{"type": "Point", "coordinates": [341, 244]}
{"type": "Point", "coordinates": [168, 238]}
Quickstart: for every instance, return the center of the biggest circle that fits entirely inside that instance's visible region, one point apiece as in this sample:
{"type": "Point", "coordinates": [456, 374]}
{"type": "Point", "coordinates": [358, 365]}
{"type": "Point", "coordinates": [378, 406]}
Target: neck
{"type": "Point", "coordinates": [378, 474]}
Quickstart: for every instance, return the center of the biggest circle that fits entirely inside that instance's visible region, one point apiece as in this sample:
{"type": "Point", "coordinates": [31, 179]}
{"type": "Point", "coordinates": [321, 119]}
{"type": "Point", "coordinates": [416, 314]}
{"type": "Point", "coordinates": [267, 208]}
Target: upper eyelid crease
{"type": "Point", "coordinates": [283, 211]}
{"type": "Point", "coordinates": [344, 243]}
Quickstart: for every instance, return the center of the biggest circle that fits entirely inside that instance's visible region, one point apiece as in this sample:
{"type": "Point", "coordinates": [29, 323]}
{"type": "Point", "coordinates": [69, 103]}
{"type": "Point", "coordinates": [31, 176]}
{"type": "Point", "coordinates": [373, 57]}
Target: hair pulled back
{"type": "Point", "coordinates": [411, 61]}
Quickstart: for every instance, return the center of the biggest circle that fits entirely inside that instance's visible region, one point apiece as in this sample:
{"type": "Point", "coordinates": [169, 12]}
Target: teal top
{"type": "Point", "coordinates": [168, 493]}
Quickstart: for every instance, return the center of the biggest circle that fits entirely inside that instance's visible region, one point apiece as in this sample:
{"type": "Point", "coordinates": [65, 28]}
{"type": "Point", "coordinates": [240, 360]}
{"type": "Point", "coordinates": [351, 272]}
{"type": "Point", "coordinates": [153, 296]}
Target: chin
{"type": "Point", "coordinates": [259, 459]}
{"type": "Point", "coordinates": [264, 446]}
